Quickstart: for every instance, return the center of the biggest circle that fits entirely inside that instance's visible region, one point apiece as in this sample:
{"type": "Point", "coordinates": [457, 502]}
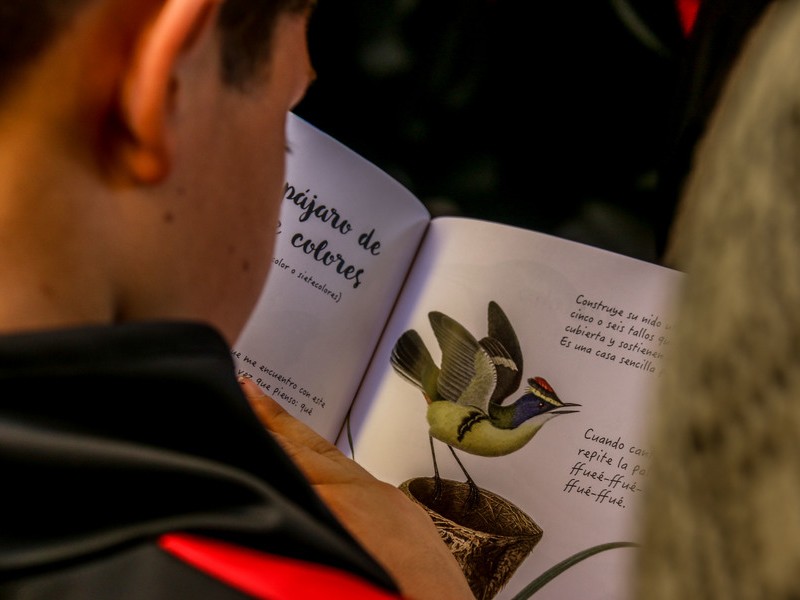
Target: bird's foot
{"type": "Point", "coordinates": [473, 496]}
{"type": "Point", "coordinates": [437, 488]}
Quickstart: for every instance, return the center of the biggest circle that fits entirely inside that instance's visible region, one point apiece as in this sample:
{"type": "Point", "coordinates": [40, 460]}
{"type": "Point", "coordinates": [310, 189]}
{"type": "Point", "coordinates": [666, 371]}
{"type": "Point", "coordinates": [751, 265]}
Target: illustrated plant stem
{"type": "Point", "coordinates": [554, 571]}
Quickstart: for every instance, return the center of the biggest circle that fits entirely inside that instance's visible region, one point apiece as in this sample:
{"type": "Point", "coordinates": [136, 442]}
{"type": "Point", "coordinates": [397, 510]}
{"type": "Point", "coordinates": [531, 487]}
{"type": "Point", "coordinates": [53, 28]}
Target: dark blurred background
{"type": "Point", "coordinates": [548, 116]}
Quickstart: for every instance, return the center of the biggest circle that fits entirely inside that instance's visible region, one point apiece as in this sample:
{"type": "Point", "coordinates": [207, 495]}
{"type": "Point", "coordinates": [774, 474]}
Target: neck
{"type": "Point", "coordinates": [53, 267]}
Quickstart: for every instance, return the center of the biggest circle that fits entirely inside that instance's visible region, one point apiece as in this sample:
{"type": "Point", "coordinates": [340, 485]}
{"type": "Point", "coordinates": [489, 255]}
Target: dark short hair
{"type": "Point", "coordinates": [27, 27]}
{"type": "Point", "coordinates": [246, 30]}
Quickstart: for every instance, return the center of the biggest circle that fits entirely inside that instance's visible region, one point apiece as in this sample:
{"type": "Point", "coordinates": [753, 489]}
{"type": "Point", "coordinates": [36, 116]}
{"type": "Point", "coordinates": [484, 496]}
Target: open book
{"type": "Point", "coordinates": [380, 326]}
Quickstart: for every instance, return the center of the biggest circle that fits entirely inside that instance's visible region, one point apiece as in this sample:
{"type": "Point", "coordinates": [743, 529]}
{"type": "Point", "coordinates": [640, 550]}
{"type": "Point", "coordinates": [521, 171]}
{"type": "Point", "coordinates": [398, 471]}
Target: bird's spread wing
{"type": "Point", "coordinates": [411, 359]}
{"type": "Point", "coordinates": [502, 346]}
{"type": "Point", "coordinates": [467, 373]}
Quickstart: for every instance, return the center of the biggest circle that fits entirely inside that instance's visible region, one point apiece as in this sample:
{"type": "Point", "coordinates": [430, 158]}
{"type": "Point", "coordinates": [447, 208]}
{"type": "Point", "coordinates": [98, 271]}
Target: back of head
{"type": "Point", "coordinates": [142, 146]}
{"type": "Point", "coordinates": [725, 474]}
{"type": "Point", "coordinates": [27, 27]}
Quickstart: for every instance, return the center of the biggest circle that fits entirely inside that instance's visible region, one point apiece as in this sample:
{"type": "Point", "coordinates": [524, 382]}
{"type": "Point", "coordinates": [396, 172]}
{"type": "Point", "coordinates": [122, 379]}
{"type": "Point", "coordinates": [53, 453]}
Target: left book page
{"type": "Point", "coordinates": [347, 235]}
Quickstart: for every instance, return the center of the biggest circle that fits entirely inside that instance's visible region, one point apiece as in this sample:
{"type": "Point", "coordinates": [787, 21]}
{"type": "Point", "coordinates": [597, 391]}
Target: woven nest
{"type": "Point", "coordinates": [490, 538]}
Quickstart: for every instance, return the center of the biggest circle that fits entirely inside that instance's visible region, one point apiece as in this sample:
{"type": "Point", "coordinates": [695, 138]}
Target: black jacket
{"type": "Point", "coordinates": [112, 437]}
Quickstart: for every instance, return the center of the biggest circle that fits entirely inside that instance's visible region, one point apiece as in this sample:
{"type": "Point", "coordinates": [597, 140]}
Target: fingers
{"type": "Point", "coordinates": [271, 413]}
{"type": "Point", "coordinates": [294, 435]}
{"type": "Point", "coordinates": [263, 404]}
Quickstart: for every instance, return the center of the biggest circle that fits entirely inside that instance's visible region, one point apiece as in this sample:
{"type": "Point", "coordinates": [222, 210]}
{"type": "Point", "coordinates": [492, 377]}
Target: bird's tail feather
{"type": "Point", "coordinates": [412, 361]}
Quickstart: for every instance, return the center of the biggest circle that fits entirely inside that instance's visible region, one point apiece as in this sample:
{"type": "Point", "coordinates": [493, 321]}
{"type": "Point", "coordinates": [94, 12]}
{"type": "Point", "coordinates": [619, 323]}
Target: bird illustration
{"type": "Point", "coordinates": [465, 395]}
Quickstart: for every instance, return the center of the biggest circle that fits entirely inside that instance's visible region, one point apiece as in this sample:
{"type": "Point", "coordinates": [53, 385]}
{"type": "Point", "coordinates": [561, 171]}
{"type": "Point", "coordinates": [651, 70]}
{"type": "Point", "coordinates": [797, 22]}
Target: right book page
{"type": "Point", "coordinates": [591, 329]}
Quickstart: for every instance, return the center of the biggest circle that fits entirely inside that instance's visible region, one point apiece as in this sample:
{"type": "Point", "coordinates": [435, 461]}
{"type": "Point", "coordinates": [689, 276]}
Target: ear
{"type": "Point", "coordinates": [150, 83]}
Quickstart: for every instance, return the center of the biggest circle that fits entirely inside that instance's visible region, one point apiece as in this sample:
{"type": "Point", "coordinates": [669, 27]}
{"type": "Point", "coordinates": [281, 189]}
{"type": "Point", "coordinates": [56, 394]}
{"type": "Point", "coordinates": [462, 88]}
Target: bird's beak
{"type": "Point", "coordinates": [560, 410]}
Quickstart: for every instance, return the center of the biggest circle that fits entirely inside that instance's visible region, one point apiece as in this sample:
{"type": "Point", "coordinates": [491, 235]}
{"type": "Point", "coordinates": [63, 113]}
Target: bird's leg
{"type": "Point", "coordinates": [472, 498]}
{"type": "Point", "coordinates": [437, 481]}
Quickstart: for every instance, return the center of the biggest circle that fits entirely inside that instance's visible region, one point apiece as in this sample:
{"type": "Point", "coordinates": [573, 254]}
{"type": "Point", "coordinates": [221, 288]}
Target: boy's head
{"type": "Point", "coordinates": [157, 132]}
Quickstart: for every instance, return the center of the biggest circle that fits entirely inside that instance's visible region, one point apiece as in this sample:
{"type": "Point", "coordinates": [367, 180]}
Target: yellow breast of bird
{"type": "Point", "coordinates": [470, 429]}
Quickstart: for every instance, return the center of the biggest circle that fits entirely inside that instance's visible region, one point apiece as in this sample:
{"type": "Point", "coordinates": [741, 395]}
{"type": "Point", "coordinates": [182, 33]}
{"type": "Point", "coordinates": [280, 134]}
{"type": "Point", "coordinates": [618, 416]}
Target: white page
{"type": "Point", "coordinates": [540, 282]}
{"type": "Point", "coordinates": [312, 334]}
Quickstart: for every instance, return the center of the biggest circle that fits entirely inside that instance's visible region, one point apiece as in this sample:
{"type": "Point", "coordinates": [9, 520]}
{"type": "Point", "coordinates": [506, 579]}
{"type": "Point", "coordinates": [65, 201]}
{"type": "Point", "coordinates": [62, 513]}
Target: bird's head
{"type": "Point", "coordinates": [536, 406]}
{"type": "Point", "coordinates": [540, 397]}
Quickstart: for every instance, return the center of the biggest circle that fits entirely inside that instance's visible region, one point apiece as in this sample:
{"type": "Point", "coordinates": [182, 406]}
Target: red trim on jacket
{"type": "Point", "coordinates": [687, 10]}
{"type": "Point", "coordinates": [267, 576]}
